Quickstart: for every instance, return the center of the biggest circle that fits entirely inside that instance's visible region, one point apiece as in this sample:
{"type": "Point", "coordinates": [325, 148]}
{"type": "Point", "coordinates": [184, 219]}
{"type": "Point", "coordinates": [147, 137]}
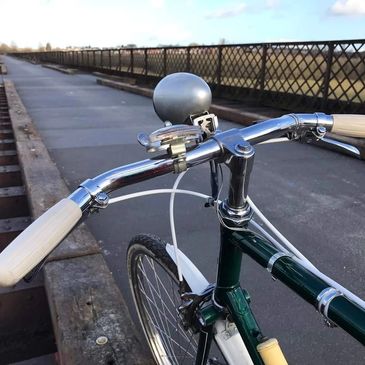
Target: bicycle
{"type": "Point", "coordinates": [201, 311]}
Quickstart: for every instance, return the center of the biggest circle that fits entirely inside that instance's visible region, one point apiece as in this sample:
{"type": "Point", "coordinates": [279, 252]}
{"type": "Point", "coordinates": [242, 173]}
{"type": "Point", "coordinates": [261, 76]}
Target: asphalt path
{"type": "Point", "coordinates": [316, 197]}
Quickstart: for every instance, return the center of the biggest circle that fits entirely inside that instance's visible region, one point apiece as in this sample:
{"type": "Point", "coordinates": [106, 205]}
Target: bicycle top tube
{"type": "Point", "coordinates": [212, 149]}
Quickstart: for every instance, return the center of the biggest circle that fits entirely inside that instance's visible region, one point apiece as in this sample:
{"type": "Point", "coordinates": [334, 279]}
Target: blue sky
{"type": "Point", "coordinates": [110, 23]}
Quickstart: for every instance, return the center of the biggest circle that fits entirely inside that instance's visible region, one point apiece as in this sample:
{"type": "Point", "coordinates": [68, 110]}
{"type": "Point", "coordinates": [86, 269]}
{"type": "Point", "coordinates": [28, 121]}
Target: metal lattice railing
{"type": "Point", "coordinates": [327, 76]}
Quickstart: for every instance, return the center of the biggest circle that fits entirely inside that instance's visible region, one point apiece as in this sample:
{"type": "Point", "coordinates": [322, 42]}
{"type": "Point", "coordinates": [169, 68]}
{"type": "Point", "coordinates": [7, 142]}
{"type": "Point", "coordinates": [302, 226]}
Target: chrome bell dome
{"type": "Point", "coordinates": [180, 95]}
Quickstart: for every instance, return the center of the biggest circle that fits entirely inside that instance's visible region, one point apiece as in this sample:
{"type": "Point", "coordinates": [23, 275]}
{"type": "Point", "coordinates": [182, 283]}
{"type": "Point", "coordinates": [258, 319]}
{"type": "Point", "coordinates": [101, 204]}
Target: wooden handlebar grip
{"type": "Point", "coordinates": [37, 241]}
{"type": "Point", "coordinates": [350, 125]}
{"type": "Point", "coordinates": [271, 353]}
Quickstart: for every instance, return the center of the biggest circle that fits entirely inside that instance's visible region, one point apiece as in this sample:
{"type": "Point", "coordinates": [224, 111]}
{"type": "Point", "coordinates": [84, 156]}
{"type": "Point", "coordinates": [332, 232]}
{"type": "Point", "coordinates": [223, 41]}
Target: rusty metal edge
{"type": "Point", "coordinates": [63, 286]}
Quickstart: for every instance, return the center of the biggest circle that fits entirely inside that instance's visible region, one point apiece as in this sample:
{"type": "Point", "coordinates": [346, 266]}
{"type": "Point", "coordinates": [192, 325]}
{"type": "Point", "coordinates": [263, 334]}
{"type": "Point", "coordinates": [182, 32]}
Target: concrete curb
{"type": "Point", "coordinates": [84, 300]}
{"type": "Point", "coordinates": [234, 115]}
{"type": "Point", "coordinates": [238, 116]}
{"type": "Point", "coordinates": [3, 69]}
{"type": "Point", "coordinates": [68, 71]}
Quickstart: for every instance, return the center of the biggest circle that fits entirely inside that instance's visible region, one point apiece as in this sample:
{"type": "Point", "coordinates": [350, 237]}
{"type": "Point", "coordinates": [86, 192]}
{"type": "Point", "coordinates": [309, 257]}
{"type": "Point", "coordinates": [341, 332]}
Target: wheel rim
{"type": "Point", "coordinates": [158, 300]}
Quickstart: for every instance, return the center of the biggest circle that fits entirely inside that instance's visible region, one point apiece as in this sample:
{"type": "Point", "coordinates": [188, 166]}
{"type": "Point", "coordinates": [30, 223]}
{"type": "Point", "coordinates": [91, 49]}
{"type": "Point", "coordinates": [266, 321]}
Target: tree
{"type": "Point", "coordinates": [48, 47]}
{"type": "Point", "coordinates": [4, 48]}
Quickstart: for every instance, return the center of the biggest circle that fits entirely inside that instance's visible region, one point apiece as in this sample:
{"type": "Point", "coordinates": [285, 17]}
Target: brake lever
{"type": "Point", "coordinates": [35, 271]}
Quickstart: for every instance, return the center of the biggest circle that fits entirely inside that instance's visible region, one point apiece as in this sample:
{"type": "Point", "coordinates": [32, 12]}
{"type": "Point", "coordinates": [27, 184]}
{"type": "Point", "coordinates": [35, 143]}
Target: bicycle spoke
{"type": "Point", "coordinates": [159, 314]}
{"type": "Point", "coordinates": [169, 331]}
{"type": "Point", "coordinates": [172, 324]}
{"type": "Point", "coordinates": [150, 319]}
{"type": "Point", "coordinates": [162, 302]}
{"type": "Point", "coordinates": [175, 342]}
{"type": "Point", "coordinates": [164, 305]}
{"type": "Point", "coordinates": [158, 286]}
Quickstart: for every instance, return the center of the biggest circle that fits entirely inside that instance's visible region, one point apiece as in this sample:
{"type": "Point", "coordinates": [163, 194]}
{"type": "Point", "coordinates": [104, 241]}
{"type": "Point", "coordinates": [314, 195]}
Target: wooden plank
{"type": "Point", "coordinates": [12, 191]}
{"type": "Point", "coordinates": [8, 153]}
{"type": "Point", "coordinates": [9, 178]}
{"type": "Point", "coordinates": [13, 202]}
{"type": "Point", "coordinates": [7, 144]}
{"type": "Point", "coordinates": [9, 168]}
{"type": "Point", "coordinates": [6, 133]}
{"type": "Point", "coordinates": [25, 325]}
{"type": "Point", "coordinates": [14, 224]}
{"type": "Point", "coordinates": [77, 309]}
{"type": "Point", "coordinates": [10, 228]}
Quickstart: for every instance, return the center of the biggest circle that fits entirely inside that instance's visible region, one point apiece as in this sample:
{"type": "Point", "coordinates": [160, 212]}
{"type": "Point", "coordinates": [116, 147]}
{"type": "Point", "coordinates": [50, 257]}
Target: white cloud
{"type": "Point", "coordinates": [158, 4]}
{"type": "Point", "coordinates": [75, 23]}
{"type": "Point", "coordinates": [227, 12]}
{"type": "Point", "coordinates": [272, 4]}
{"type": "Point", "coordinates": [348, 7]}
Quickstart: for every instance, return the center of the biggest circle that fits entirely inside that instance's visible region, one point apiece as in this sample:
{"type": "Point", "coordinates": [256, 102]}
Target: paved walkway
{"type": "Point", "coordinates": [316, 197]}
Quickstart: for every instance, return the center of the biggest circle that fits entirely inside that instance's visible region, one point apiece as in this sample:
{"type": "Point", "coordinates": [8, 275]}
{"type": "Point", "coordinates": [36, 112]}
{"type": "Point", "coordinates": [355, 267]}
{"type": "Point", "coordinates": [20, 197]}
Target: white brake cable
{"type": "Point", "coordinates": [289, 247]}
{"type": "Point", "coordinates": [276, 232]}
{"type": "Point", "coordinates": [172, 225]}
{"type": "Point", "coordinates": [156, 191]}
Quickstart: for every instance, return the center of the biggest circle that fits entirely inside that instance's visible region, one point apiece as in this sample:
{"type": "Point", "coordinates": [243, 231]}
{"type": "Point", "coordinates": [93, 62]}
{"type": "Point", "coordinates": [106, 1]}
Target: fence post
{"type": "Point", "coordinates": [94, 59]}
{"type": "Point", "coordinates": [327, 76]}
{"type": "Point", "coordinates": [110, 59]}
{"type": "Point", "coordinates": [101, 59]}
{"type": "Point", "coordinates": [219, 66]}
{"type": "Point", "coordinates": [82, 58]}
{"type": "Point", "coordinates": [188, 60]}
{"type": "Point", "coordinates": [119, 60]}
{"type": "Point", "coordinates": [164, 62]}
{"type": "Point", "coordinates": [263, 69]}
{"type": "Point", "coordinates": [132, 61]}
{"type": "Point", "coordinates": [145, 62]}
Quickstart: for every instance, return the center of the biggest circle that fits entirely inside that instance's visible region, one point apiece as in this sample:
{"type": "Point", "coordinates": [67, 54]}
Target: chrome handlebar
{"type": "Point", "coordinates": [93, 193]}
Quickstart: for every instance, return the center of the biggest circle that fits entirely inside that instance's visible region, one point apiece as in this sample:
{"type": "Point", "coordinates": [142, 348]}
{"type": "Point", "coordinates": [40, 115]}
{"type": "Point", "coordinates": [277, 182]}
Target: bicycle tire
{"type": "Point", "coordinates": [154, 284]}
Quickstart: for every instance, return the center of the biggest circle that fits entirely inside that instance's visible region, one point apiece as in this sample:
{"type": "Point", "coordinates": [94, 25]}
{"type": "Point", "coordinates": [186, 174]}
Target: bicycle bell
{"type": "Point", "coordinates": [180, 95]}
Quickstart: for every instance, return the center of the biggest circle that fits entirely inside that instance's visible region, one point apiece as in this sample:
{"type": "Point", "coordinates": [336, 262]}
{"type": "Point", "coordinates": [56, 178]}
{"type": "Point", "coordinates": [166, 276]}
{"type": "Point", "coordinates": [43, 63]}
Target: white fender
{"type": "Point", "coordinates": [190, 272]}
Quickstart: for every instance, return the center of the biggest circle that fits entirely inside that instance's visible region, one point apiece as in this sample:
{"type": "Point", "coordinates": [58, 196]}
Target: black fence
{"type": "Point", "coordinates": [312, 76]}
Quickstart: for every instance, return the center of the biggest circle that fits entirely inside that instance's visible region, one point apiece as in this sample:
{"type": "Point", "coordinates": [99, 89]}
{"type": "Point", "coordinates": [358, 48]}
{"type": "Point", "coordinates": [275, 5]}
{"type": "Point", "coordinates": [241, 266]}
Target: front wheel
{"type": "Point", "coordinates": [155, 287]}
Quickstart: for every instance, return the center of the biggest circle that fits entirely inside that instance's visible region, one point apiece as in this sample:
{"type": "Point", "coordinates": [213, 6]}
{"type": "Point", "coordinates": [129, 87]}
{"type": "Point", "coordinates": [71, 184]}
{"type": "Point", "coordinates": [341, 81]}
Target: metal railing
{"type": "Point", "coordinates": [327, 76]}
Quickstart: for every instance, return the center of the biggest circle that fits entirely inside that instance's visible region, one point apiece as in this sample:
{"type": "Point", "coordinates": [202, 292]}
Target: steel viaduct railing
{"type": "Point", "coordinates": [327, 76]}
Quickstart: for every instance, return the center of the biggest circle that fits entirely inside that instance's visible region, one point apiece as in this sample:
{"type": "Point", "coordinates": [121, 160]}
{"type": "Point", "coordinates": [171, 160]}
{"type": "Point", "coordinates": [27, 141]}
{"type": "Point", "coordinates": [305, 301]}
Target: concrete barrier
{"type": "Point", "coordinates": [65, 70]}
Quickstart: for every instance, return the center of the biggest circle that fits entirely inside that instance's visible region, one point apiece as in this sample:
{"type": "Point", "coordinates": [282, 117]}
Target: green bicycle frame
{"type": "Point", "coordinates": [229, 295]}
